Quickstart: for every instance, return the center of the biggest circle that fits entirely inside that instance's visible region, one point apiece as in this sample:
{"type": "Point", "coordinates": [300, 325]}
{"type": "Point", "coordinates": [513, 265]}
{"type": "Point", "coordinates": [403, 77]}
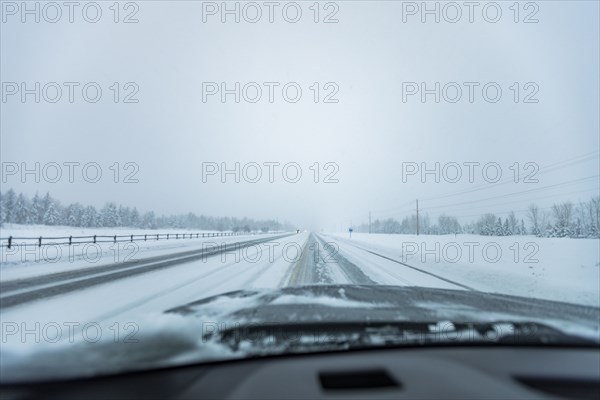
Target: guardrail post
{"type": "Point", "coordinates": [167, 236]}
{"type": "Point", "coordinates": [115, 239]}
{"type": "Point", "coordinates": [132, 238]}
{"type": "Point", "coordinates": [70, 239]}
{"type": "Point", "coordinates": [145, 237]}
{"type": "Point", "coordinates": [157, 236]}
{"type": "Point", "coordinates": [176, 236]}
{"type": "Point", "coordinates": [94, 239]}
{"type": "Point", "coordinates": [40, 241]}
{"type": "Point", "coordinates": [9, 241]}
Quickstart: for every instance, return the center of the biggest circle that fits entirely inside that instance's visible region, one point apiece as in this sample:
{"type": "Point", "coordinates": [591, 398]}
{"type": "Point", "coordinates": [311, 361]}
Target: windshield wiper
{"type": "Point", "coordinates": [261, 338]}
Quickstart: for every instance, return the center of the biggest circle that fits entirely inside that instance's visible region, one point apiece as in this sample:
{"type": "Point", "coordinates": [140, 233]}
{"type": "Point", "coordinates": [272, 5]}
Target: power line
{"type": "Point", "coordinates": [499, 213]}
{"type": "Point", "coordinates": [404, 207]}
{"type": "Point", "coordinates": [545, 169]}
{"type": "Point", "coordinates": [517, 193]}
{"type": "Point", "coordinates": [510, 202]}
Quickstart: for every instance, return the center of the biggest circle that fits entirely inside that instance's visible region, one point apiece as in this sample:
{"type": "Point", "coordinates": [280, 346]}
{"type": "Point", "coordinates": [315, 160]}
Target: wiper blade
{"type": "Point", "coordinates": [304, 337]}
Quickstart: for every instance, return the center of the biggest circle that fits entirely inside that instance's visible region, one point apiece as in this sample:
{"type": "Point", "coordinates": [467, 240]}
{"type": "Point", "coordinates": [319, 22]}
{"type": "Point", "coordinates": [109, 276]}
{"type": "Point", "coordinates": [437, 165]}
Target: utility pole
{"type": "Point", "coordinates": [369, 222]}
{"type": "Point", "coordinates": [417, 217]}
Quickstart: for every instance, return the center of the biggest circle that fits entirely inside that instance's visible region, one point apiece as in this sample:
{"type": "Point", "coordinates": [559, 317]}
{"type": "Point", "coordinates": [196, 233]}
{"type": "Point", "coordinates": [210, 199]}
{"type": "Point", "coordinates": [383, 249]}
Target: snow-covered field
{"type": "Point", "coordinates": [560, 269]}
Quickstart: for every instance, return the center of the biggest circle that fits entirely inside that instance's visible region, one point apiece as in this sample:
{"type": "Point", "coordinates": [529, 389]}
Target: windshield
{"type": "Point", "coordinates": [191, 181]}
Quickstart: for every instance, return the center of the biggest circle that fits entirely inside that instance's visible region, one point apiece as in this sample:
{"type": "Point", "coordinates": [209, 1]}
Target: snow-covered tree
{"type": "Point", "coordinates": [563, 214]}
{"type": "Point", "coordinates": [447, 225]}
{"type": "Point", "coordinates": [486, 225]}
{"type": "Point", "coordinates": [134, 218]}
{"type": "Point", "coordinates": [72, 214]}
{"type": "Point", "coordinates": [37, 210]}
{"type": "Point", "coordinates": [124, 216]}
{"type": "Point", "coordinates": [506, 231]}
{"type": "Point", "coordinates": [2, 210]}
{"type": "Point", "coordinates": [52, 215]}
{"type": "Point", "coordinates": [523, 230]}
{"type": "Point", "coordinates": [533, 215]}
{"type": "Point", "coordinates": [88, 217]}
{"type": "Point", "coordinates": [8, 205]}
{"type": "Point", "coordinates": [513, 224]}
{"type": "Point", "coordinates": [109, 215]}
{"type": "Point", "coordinates": [21, 210]}
{"type": "Point", "coordinates": [149, 220]}
{"type": "Point", "coordinates": [498, 228]}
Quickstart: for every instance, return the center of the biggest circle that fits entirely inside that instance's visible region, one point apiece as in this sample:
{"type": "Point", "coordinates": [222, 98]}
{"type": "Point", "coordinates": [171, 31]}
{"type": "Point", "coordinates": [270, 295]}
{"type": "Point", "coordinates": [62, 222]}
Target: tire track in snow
{"type": "Point", "coordinates": [314, 266]}
{"type": "Point", "coordinates": [222, 275]}
{"type": "Point", "coordinates": [450, 281]}
{"type": "Point", "coordinates": [249, 283]}
{"type": "Point", "coordinates": [354, 274]}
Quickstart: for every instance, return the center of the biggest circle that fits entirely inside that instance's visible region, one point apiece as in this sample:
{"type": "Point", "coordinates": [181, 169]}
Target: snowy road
{"type": "Point", "coordinates": [321, 263]}
{"type": "Point", "coordinates": [120, 292]}
{"type": "Point", "coordinates": [20, 291]}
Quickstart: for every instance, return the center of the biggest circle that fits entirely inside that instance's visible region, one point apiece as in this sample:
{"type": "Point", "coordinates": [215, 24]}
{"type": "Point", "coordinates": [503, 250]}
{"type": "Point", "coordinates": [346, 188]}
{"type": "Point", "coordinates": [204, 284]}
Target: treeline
{"type": "Point", "coordinates": [19, 209]}
{"type": "Point", "coordinates": [561, 220]}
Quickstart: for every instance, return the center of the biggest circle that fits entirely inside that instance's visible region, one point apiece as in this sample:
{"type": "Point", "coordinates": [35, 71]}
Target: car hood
{"type": "Point", "coordinates": [364, 303]}
{"type": "Point", "coordinates": [251, 323]}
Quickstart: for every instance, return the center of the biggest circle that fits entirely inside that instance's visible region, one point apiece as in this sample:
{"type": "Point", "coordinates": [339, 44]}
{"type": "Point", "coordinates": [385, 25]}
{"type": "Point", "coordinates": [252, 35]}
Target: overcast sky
{"type": "Point", "coordinates": [368, 134]}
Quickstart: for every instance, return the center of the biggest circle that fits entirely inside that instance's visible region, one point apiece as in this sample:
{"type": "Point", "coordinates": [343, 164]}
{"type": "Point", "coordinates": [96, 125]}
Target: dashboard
{"type": "Point", "coordinates": [476, 372]}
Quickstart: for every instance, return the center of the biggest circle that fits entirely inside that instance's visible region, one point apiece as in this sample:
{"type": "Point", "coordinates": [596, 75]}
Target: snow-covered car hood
{"type": "Point", "coordinates": [365, 303]}
{"type": "Point", "coordinates": [252, 323]}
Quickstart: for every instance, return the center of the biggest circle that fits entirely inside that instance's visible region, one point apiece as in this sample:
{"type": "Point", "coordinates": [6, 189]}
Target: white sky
{"type": "Point", "coordinates": [369, 133]}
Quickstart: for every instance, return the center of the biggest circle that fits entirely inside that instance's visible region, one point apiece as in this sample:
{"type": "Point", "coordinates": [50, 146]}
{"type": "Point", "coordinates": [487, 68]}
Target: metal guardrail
{"type": "Point", "coordinates": [70, 240]}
